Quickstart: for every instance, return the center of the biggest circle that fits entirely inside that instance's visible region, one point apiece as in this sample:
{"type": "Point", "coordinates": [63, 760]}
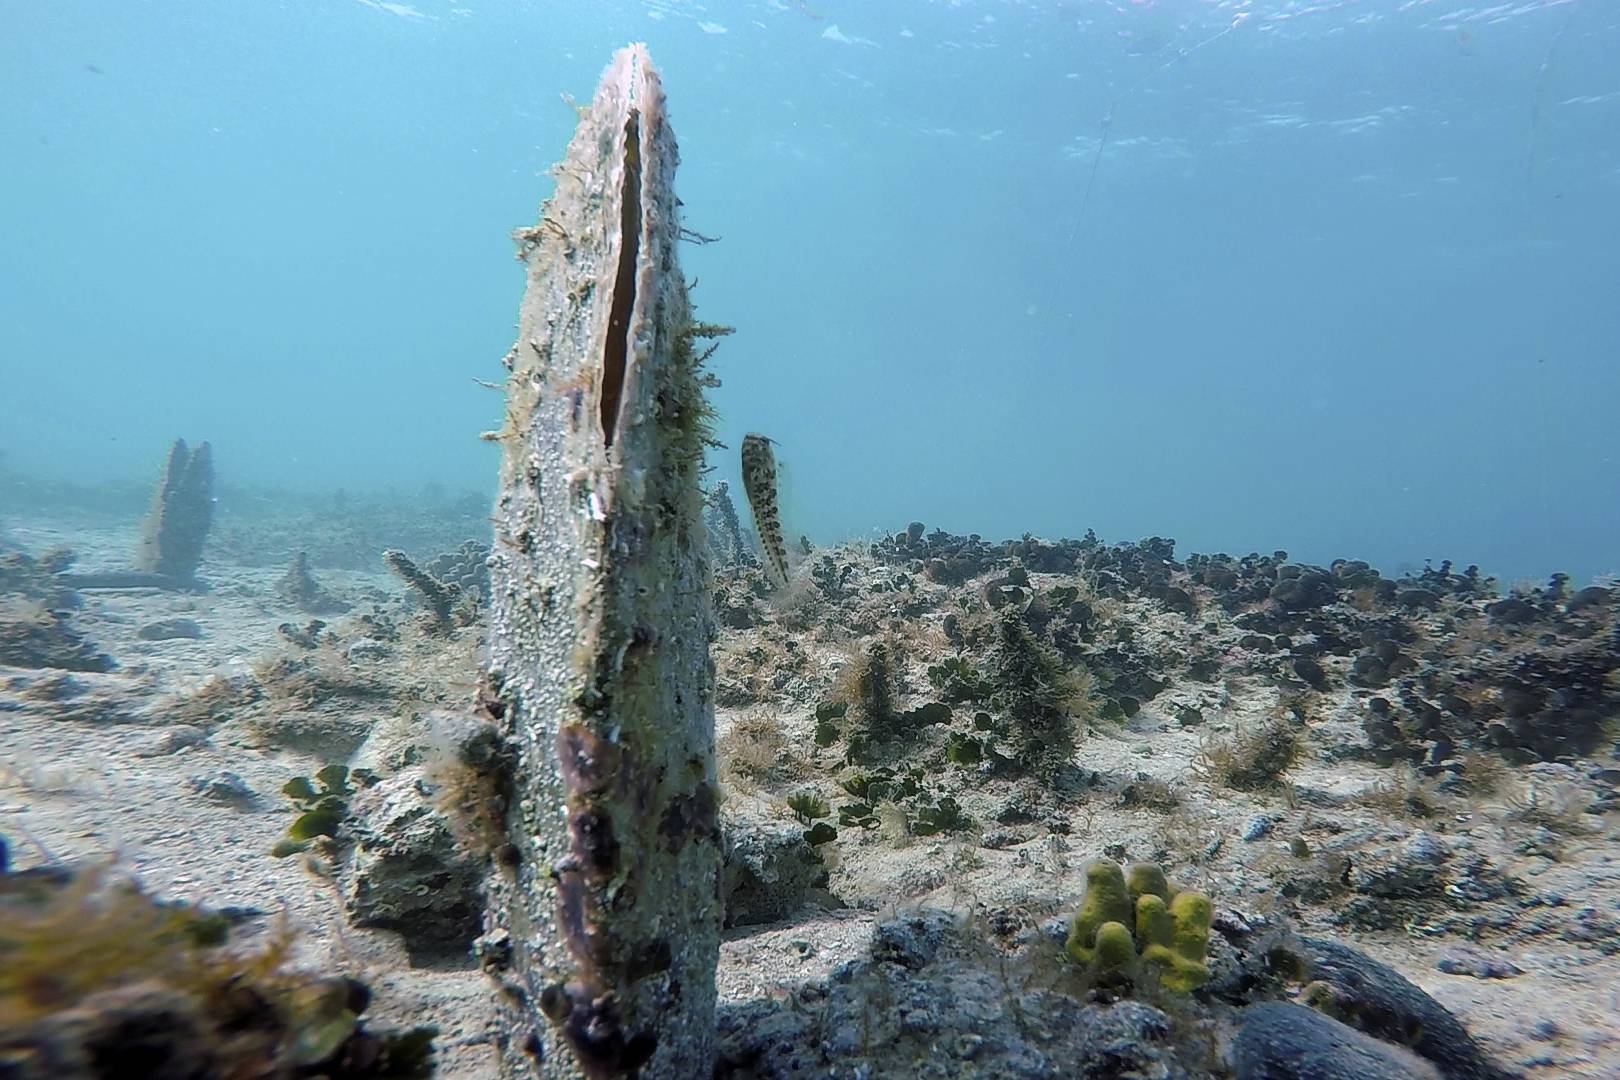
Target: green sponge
{"type": "Point", "coordinates": [1154, 925]}
{"type": "Point", "coordinates": [1147, 879]}
{"type": "Point", "coordinates": [1171, 928]}
{"type": "Point", "coordinates": [1179, 940]}
{"type": "Point", "coordinates": [1115, 953]}
{"type": "Point", "coordinates": [1105, 901]}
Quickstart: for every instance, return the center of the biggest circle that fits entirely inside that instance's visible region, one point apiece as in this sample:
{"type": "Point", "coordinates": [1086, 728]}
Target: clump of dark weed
{"type": "Point", "coordinates": [1252, 759]}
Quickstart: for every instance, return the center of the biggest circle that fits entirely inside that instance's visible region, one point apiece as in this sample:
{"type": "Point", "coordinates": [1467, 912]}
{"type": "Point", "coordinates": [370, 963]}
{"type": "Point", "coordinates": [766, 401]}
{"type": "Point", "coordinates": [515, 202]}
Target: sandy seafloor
{"type": "Point", "coordinates": [105, 769]}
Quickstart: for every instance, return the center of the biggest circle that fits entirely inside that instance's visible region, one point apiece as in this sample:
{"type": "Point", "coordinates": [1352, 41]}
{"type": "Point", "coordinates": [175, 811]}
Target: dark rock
{"type": "Point", "coordinates": [1369, 671]}
{"type": "Point", "coordinates": [912, 940]}
{"type": "Point", "coordinates": [1513, 610]}
{"type": "Point", "coordinates": [307, 636]}
{"type": "Point", "coordinates": [1390, 882]}
{"type": "Point", "coordinates": [365, 648]}
{"type": "Point", "coordinates": [1593, 596]}
{"type": "Point", "coordinates": [493, 950]}
{"type": "Point", "coordinates": [921, 1006]}
{"type": "Point", "coordinates": [1304, 590]}
{"type": "Point", "coordinates": [1120, 1041]}
{"type": "Point", "coordinates": [36, 622]}
{"type": "Point", "coordinates": [1381, 1002]}
{"type": "Point", "coordinates": [144, 1030]}
{"type": "Point", "coordinates": [1520, 699]}
{"type": "Point", "coordinates": [172, 740]}
{"type": "Point", "coordinates": [1257, 828]}
{"type": "Point", "coordinates": [736, 609]}
{"type": "Point", "coordinates": [1384, 735]}
{"type": "Point", "coordinates": [1555, 701]}
{"type": "Point", "coordinates": [1258, 621]}
{"type": "Point", "coordinates": [1354, 574]}
{"type": "Point", "coordinates": [1278, 1040]}
{"type": "Point", "coordinates": [1019, 808]}
{"type": "Point", "coordinates": [1179, 600]}
{"type": "Point", "coordinates": [1313, 673]}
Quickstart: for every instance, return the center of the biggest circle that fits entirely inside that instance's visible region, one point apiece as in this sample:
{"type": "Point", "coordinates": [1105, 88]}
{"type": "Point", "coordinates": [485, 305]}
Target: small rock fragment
{"type": "Point", "coordinates": [170, 629]}
{"type": "Point", "coordinates": [911, 940]}
{"type": "Point", "coordinates": [223, 786]}
{"type": "Point", "coordinates": [1466, 961]}
{"type": "Point", "coordinates": [1545, 1030]}
{"type": "Point", "coordinates": [172, 740]}
{"type": "Point", "coordinates": [366, 649]}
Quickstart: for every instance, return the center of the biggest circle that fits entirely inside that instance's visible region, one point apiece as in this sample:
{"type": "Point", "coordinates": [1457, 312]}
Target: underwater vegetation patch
{"type": "Point", "coordinates": [322, 805]}
{"type": "Point", "coordinates": [94, 971]}
{"type": "Point", "coordinates": [1255, 758]}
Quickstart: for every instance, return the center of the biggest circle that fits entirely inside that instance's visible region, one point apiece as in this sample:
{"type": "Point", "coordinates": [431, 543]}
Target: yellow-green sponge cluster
{"type": "Point", "coordinates": [1128, 923]}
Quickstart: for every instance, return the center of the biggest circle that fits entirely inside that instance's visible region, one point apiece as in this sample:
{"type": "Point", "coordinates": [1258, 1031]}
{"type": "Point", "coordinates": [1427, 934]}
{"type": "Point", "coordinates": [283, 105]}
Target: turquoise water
{"type": "Point", "coordinates": [1332, 277]}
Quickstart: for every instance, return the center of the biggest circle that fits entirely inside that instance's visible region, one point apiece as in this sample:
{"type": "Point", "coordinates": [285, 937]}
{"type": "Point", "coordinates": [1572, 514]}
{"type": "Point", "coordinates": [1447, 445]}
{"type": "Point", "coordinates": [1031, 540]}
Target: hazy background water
{"type": "Point", "coordinates": [1345, 281]}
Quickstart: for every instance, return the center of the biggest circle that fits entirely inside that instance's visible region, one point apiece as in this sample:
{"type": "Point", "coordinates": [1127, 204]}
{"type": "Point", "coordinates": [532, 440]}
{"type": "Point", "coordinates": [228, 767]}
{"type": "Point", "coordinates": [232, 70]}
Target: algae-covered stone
{"type": "Point", "coordinates": [1104, 901]}
{"type": "Point", "coordinates": [408, 873]}
{"type": "Point", "coordinates": [769, 867]}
